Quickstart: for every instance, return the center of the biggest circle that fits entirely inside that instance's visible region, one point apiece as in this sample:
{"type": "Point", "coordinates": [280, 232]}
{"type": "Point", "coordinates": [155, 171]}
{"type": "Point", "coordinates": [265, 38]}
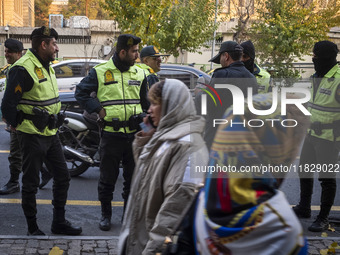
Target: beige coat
{"type": "Point", "coordinates": [164, 182]}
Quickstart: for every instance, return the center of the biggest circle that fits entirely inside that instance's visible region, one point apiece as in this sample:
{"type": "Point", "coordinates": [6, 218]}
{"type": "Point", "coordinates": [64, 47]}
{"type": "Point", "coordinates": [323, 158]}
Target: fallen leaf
{"type": "Point", "coordinates": [335, 244]}
{"type": "Point", "coordinates": [324, 251]}
{"type": "Point", "coordinates": [331, 229]}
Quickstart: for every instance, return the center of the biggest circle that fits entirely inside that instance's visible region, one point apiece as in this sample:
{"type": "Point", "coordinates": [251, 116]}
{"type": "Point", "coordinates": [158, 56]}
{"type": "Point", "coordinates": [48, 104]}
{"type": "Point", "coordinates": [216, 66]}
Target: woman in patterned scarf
{"type": "Point", "coordinates": [240, 210]}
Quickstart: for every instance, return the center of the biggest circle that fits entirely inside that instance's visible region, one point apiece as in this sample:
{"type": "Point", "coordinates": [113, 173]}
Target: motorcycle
{"type": "Point", "coordinates": [80, 137]}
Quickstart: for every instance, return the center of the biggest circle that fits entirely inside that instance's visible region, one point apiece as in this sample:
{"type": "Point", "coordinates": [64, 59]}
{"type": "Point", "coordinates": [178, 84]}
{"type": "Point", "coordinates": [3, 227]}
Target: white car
{"type": "Point", "coordinates": [70, 72]}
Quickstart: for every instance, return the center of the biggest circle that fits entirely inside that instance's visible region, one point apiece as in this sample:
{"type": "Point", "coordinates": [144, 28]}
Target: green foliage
{"type": "Point", "coordinates": [80, 7]}
{"type": "Point", "coordinates": [172, 26]}
{"type": "Point", "coordinates": [41, 12]}
{"type": "Point", "coordinates": [286, 30]}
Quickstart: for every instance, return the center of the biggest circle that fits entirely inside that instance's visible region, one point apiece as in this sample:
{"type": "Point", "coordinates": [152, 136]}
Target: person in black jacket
{"type": "Point", "coordinates": [232, 72]}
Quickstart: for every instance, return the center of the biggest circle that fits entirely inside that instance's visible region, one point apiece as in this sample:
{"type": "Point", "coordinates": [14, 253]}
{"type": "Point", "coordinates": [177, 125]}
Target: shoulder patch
{"type": "Point", "coordinates": [18, 88]}
{"type": "Point", "coordinates": [108, 76]}
{"type": "Point", "coordinates": [39, 72]}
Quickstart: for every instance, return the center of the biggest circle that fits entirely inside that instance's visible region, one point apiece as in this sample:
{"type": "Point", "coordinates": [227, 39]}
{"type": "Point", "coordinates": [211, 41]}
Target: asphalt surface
{"type": "Point", "coordinates": [83, 209]}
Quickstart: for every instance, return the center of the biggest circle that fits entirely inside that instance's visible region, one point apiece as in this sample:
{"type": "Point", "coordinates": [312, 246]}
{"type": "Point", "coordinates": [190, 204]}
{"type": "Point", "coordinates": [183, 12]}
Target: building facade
{"type": "Point", "coordinates": [17, 13]}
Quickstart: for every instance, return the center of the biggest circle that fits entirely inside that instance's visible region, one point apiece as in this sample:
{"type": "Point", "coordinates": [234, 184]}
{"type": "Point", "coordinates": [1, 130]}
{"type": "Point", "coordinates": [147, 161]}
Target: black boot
{"type": "Point", "coordinates": [46, 176]}
{"type": "Point", "coordinates": [319, 225]}
{"type": "Point", "coordinates": [303, 209]}
{"type": "Point", "coordinates": [62, 226]}
{"type": "Point", "coordinates": [105, 221]}
{"type": "Point", "coordinates": [33, 229]}
{"type": "Point", "coordinates": [10, 187]}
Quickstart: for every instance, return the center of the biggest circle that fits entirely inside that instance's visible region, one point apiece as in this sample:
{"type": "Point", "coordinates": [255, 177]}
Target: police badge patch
{"type": "Point", "coordinates": [39, 73]}
{"type": "Point", "coordinates": [130, 41]}
{"type": "Point", "coordinates": [109, 78]}
{"type": "Point", "coordinates": [47, 31]}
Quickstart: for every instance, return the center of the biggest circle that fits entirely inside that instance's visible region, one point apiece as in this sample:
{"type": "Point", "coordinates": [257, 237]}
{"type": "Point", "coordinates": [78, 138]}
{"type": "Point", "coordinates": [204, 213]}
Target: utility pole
{"type": "Point", "coordinates": [214, 40]}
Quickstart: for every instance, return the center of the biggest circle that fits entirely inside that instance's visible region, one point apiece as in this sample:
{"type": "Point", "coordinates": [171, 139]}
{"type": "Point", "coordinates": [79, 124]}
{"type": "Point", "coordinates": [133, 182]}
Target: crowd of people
{"type": "Point", "coordinates": [152, 128]}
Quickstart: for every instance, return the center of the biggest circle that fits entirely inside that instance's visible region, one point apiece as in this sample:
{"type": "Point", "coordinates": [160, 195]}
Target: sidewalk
{"type": "Point", "coordinates": [103, 245]}
{"type": "Point", "coordinates": [58, 245]}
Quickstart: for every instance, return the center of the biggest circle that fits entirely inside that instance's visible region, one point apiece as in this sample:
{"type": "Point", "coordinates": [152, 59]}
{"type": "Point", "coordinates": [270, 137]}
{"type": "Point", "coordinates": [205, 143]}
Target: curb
{"type": "Point", "coordinates": [60, 237]}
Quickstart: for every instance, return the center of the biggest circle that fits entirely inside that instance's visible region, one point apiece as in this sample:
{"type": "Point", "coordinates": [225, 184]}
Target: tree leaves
{"type": "Point", "coordinates": [285, 31]}
{"type": "Point", "coordinates": [80, 7]}
{"type": "Point", "coordinates": [42, 12]}
{"type": "Point", "coordinates": [172, 26]}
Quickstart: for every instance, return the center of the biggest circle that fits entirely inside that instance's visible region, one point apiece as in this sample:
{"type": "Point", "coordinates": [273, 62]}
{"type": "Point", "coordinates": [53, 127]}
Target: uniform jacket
{"type": "Point", "coordinates": [164, 181]}
{"type": "Point", "coordinates": [235, 74]}
{"type": "Point", "coordinates": [90, 84]}
{"type": "Point", "coordinates": [324, 105]}
{"type": "Point", "coordinates": [150, 74]}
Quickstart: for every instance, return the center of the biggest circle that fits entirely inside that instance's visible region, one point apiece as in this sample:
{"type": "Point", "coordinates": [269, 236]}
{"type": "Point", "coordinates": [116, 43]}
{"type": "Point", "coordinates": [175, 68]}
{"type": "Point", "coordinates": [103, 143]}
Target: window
{"type": "Point", "coordinates": [69, 70]}
{"type": "Point", "coordinates": [186, 77]}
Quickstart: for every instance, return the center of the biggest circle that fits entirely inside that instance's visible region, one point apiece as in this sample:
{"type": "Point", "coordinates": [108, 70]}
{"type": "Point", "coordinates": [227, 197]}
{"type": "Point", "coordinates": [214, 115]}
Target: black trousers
{"type": "Point", "coordinates": [324, 153]}
{"type": "Point", "coordinates": [14, 157]}
{"type": "Point", "coordinates": [35, 150]}
{"type": "Point", "coordinates": [113, 149]}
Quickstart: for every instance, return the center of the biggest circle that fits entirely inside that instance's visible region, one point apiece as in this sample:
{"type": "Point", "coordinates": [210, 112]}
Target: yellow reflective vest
{"type": "Point", "coordinates": [263, 79]}
{"type": "Point", "coordinates": [119, 93]}
{"type": "Point", "coordinates": [44, 93]}
{"type": "Point", "coordinates": [147, 69]}
{"type": "Point", "coordinates": [323, 106]}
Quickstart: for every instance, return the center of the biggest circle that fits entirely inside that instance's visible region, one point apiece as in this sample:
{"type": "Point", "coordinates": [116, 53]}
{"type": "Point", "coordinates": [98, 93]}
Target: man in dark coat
{"type": "Point", "coordinates": [232, 72]}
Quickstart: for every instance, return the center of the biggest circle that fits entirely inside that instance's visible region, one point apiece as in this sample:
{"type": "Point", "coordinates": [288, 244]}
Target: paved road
{"type": "Point", "coordinates": [83, 207]}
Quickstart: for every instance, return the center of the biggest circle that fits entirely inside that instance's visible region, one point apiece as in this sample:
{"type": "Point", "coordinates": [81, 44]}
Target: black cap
{"type": "Point", "coordinates": [325, 49]}
{"type": "Point", "coordinates": [127, 40]}
{"type": "Point", "coordinates": [14, 45]}
{"type": "Point", "coordinates": [228, 46]}
{"type": "Point", "coordinates": [249, 49]}
{"type": "Point", "coordinates": [44, 32]}
{"type": "Point", "coordinates": [151, 51]}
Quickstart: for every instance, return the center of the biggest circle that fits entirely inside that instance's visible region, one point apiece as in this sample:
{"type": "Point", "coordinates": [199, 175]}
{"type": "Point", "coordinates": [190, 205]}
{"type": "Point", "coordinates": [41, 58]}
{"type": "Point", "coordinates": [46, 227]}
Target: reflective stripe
{"type": "Point", "coordinates": [40, 103]}
{"type": "Point", "coordinates": [322, 108]}
{"type": "Point", "coordinates": [117, 102]}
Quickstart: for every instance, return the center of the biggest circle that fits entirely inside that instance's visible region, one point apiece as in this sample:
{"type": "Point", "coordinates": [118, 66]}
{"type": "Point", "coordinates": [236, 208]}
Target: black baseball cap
{"type": "Point", "coordinates": [228, 46]}
{"type": "Point", "coordinates": [127, 40]}
{"type": "Point", "coordinates": [249, 49]}
{"type": "Point", "coordinates": [14, 45]}
{"type": "Point", "coordinates": [44, 32]}
{"type": "Point", "coordinates": [151, 51]}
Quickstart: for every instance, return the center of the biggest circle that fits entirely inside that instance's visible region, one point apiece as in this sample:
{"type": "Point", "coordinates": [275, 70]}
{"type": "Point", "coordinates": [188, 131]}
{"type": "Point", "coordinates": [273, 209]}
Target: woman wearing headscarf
{"type": "Point", "coordinates": [164, 184]}
{"type": "Point", "coordinates": [240, 211]}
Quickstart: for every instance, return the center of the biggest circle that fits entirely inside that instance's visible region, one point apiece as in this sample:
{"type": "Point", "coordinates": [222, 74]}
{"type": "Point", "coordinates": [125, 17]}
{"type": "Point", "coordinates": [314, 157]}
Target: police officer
{"type": "Point", "coordinates": [13, 52]}
{"type": "Point", "coordinates": [31, 104]}
{"type": "Point", "coordinates": [151, 63]}
{"type": "Point", "coordinates": [121, 89]}
{"type": "Point", "coordinates": [232, 71]}
{"type": "Point", "coordinates": [262, 76]}
{"type": "Point", "coordinates": [322, 143]}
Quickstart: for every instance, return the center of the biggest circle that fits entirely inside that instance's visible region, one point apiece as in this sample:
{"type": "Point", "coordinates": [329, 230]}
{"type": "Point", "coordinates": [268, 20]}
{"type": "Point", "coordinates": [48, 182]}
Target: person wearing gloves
{"type": "Point", "coordinates": [163, 184]}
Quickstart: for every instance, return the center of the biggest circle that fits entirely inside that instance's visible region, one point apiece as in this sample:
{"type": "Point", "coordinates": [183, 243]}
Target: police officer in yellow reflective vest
{"type": "Point", "coordinates": [121, 89]}
{"type": "Point", "coordinates": [262, 76]}
{"type": "Point", "coordinates": [151, 63]}
{"type": "Point", "coordinates": [321, 147]}
{"type": "Point", "coordinates": [31, 104]}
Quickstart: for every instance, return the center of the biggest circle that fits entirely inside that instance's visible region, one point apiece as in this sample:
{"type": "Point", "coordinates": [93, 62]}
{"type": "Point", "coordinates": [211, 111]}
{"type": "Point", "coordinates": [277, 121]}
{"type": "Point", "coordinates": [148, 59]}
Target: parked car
{"type": "Point", "coordinates": [70, 72]}
{"type": "Point", "coordinates": [186, 74]}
